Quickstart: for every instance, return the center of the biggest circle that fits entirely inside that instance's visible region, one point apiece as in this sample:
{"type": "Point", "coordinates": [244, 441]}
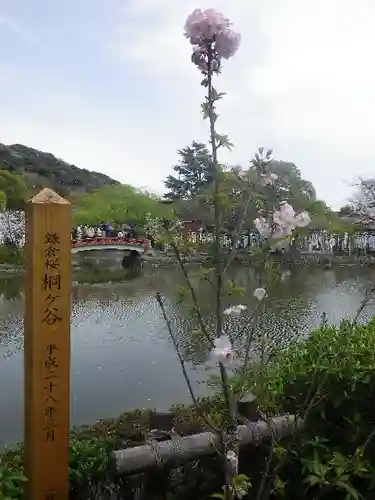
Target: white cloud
{"type": "Point", "coordinates": [302, 82]}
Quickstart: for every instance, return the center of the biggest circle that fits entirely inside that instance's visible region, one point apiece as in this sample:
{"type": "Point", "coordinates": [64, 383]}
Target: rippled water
{"type": "Point", "coordinates": [122, 356]}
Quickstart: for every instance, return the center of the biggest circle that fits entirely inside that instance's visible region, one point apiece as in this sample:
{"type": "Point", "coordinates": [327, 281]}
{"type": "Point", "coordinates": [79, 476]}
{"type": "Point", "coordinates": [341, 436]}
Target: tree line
{"type": "Point", "coordinates": [189, 191]}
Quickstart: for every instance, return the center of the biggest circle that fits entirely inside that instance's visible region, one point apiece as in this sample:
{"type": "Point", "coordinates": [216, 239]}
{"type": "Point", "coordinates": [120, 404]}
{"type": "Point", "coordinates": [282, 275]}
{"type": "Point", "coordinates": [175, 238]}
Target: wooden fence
{"type": "Point", "coordinates": [166, 449]}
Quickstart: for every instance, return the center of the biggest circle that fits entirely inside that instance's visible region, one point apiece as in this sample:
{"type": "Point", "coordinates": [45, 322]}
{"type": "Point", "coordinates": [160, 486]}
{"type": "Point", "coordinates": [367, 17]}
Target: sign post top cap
{"type": "Point", "coordinates": [46, 195]}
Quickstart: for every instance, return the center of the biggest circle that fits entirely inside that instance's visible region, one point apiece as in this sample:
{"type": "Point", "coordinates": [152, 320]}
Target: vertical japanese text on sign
{"type": "Point", "coordinates": [51, 286]}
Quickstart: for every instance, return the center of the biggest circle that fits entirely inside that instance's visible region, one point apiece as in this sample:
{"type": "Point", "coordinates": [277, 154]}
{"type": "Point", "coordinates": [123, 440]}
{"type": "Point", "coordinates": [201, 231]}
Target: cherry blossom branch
{"type": "Point", "coordinates": [182, 363]}
{"type": "Point", "coordinates": [217, 207]}
{"type": "Point", "coordinates": [250, 320]}
{"type": "Point", "coordinates": [229, 402]}
{"type": "Point", "coordinates": [192, 293]}
{"type": "Point", "coordinates": [230, 410]}
{"type": "Point", "coordinates": [368, 296]}
{"type": "Point", "coordinates": [212, 39]}
{"type": "Point", "coordinates": [250, 337]}
{"type": "Point", "coordinates": [231, 253]}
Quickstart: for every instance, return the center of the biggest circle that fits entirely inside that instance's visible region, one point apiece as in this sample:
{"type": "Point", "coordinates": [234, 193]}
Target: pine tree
{"type": "Point", "coordinates": [194, 173]}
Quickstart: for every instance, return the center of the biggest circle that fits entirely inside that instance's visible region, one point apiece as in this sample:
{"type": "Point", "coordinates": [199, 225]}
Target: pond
{"type": "Point", "coordinates": [122, 356]}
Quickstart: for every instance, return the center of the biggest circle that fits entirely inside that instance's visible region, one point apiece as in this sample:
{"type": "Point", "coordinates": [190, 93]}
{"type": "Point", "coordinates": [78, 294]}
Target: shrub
{"type": "Point", "coordinates": [332, 373]}
{"type": "Point", "coordinates": [11, 255]}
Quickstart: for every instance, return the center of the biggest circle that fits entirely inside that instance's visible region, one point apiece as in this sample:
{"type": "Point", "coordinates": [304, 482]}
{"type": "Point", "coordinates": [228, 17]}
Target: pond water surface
{"type": "Point", "coordinates": [122, 356]}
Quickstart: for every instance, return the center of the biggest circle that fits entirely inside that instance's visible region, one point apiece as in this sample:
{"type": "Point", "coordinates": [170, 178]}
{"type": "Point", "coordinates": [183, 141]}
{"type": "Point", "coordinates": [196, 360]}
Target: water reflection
{"type": "Point", "coordinates": [122, 356]}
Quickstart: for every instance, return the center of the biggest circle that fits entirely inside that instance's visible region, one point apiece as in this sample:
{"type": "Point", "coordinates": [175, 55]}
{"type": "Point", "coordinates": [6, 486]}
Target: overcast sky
{"type": "Point", "coordinates": [108, 85]}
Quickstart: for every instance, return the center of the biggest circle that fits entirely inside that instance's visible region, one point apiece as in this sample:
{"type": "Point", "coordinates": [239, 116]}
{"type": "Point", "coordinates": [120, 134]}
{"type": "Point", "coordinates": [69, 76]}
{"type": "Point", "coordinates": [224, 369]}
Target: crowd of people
{"type": "Point", "coordinates": [103, 230]}
{"type": "Point", "coordinates": [314, 241]}
{"type": "Point", "coordinates": [12, 231]}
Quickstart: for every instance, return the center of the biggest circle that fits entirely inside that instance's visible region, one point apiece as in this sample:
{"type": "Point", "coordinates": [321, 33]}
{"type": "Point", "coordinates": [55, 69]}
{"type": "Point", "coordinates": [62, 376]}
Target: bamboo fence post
{"type": "Point", "coordinates": [176, 451]}
{"type": "Point", "coordinates": [47, 346]}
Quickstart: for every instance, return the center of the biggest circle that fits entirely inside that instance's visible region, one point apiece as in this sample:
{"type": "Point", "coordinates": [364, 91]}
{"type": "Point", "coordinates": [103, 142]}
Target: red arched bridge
{"type": "Point", "coordinates": [129, 244]}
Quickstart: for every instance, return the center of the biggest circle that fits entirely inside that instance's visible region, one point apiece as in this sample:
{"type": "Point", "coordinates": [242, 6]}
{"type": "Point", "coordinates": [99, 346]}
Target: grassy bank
{"type": "Point", "coordinates": [11, 256]}
{"type": "Point", "coordinates": [333, 459]}
{"type": "Point", "coordinates": [92, 275]}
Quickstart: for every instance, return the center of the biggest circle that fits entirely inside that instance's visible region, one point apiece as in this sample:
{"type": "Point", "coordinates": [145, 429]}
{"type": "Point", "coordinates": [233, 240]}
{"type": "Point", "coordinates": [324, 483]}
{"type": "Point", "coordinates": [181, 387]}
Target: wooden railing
{"type": "Point", "coordinates": [177, 450]}
{"type": "Point", "coordinates": [146, 470]}
{"type": "Point", "coordinates": [165, 447]}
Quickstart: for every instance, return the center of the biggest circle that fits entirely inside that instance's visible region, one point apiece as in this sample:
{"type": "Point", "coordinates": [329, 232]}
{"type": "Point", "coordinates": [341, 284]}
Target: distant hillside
{"type": "Point", "coordinates": [41, 169]}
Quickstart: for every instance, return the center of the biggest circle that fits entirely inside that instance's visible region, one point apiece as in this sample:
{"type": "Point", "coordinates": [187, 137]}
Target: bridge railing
{"type": "Point", "coordinates": [110, 241]}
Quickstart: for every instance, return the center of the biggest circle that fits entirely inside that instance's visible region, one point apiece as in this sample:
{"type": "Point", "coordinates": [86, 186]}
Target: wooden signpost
{"type": "Point", "coordinates": [47, 346]}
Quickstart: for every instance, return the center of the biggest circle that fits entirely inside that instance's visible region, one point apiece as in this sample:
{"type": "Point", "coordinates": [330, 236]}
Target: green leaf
{"type": "Point", "coordinates": [279, 451]}
{"type": "Point", "coordinates": [352, 493]}
{"type": "Point", "coordinates": [205, 109]}
{"type": "Point", "coordinates": [313, 480]}
{"type": "Point", "coordinates": [223, 140]}
{"type": "Point", "coordinates": [242, 477]}
{"type": "Point", "coordinates": [280, 486]}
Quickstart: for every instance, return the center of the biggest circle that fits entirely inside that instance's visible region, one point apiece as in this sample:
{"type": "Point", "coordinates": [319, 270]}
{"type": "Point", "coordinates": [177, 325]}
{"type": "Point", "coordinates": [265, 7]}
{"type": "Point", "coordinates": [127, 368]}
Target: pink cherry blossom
{"type": "Point", "coordinates": [262, 227]}
{"type": "Point", "coordinates": [281, 231]}
{"type": "Point", "coordinates": [222, 351]}
{"type": "Point", "coordinates": [243, 174]}
{"type": "Point", "coordinates": [204, 25]}
{"type": "Point", "coordinates": [277, 217]}
{"type": "Point", "coordinates": [260, 294]}
{"type": "Point", "coordinates": [233, 460]}
{"type": "Point", "coordinates": [227, 43]}
{"type": "Point", "coordinates": [235, 310]}
{"type": "Point", "coordinates": [210, 30]}
{"type": "Point", "coordinates": [268, 179]}
{"type": "Point", "coordinates": [287, 213]}
{"type": "Point", "coordinates": [285, 275]}
{"type": "Point", "coordinates": [199, 58]}
{"type": "Point", "coordinates": [285, 221]}
{"type": "Point", "coordinates": [302, 220]}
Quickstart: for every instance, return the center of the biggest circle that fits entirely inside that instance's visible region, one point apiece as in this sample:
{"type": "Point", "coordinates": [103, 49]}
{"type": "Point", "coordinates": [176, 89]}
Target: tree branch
{"type": "Point", "coordinates": [192, 293]}
{"type": "Point", "coordinates": [182, 363]}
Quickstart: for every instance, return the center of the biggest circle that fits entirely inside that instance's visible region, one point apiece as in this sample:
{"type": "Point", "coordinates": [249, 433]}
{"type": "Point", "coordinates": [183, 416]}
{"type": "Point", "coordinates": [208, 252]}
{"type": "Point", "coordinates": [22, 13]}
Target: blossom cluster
{"type": "Point", "coordinates": [222, 351]}
{"type": "Point", "coordinates": [266, 179]}
{"type": "Point", "coordinates": [211, 37]}
{"type": "Point", "coordinates": [284, 222]}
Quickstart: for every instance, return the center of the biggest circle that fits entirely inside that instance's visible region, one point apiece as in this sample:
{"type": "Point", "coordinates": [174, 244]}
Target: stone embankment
{"type": "Point", "coordinates": [113, 260]}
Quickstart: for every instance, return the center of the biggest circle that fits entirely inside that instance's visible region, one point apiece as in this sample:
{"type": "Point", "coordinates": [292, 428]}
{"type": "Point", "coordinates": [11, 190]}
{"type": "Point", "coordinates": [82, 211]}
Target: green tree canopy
{"type": "Point", "coordinates": [194, 173]}
{"type": "Point", "coordinates": [117, 204]}
{"type": "Point", "coordinates": [322, 217]}
{"type": "Point", "coordinates": [289, 186]}
{"type": "Point", "coordinates": [346, 210]}
{"type": "Point", "coordinates": [192, 192]}
{"type": "Point", "coordinates": [14, 188]}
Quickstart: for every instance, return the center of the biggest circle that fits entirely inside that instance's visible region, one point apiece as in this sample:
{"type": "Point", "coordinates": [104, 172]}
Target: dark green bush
{"type": "Point", "coordinates": [11, 255]}
{"type": "Point", "coordinates": [91, 468]}
{"type": "Point", "coordinates": [329, 378]}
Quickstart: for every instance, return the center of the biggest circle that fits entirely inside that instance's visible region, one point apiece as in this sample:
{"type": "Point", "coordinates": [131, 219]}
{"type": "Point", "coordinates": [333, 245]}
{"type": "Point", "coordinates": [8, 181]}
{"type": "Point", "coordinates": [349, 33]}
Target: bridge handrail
{"type": "Point", "coordinates": [110, 241]}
